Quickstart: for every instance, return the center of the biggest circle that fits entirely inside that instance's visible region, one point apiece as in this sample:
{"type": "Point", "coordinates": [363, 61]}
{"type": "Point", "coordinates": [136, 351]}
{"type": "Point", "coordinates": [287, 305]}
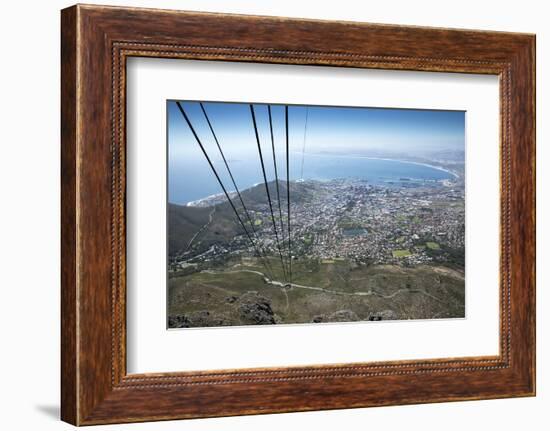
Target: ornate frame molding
{"type": "Point", "coordinates": [96, 41]}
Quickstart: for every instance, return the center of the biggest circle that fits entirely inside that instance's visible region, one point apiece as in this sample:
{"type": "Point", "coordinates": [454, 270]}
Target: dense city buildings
{"type": "Point", "coordinates": [340, 229]}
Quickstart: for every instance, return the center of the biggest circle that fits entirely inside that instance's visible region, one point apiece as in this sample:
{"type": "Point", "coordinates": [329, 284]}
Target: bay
{"type": "Point", "coordinates": [193, 179]}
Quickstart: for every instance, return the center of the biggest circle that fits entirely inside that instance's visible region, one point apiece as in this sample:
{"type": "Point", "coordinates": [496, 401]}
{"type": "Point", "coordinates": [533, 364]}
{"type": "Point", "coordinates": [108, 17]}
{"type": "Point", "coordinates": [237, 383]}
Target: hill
{"type": "Point", "coordinates": [218, 224]}
{"type": "Point", "coordinates": [183, 223]}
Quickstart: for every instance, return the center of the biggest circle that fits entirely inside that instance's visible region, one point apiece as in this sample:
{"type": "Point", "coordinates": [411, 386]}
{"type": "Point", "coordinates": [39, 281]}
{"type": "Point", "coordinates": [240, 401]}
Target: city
{"type": "Point", "coordinates": [341, 229]}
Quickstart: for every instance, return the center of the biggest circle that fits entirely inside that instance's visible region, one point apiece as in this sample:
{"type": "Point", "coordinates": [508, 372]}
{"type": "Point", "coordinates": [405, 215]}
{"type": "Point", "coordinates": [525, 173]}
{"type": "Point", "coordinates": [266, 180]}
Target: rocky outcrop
{"type": "Point", "coordinates": [194, 319]}
{"type": "Point", "coordinates": [337, 316]}
{"type": "Point", "coordinates": [383, 315]}
{"type": "Point", "coordinates": [256, 309]}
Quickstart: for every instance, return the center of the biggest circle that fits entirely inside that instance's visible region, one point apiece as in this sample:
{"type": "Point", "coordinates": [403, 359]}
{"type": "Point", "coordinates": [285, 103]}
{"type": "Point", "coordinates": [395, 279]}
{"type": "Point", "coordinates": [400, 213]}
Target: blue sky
{"type": "Point", "coordinates": [331, 129]}
{"type": "Point", "coordinates": [340, 131]}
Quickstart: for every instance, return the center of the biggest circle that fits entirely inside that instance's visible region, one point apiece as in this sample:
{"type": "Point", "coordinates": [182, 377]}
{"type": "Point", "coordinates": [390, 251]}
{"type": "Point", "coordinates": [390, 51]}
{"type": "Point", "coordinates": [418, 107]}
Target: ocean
{"type": "Point", "coordinates": [193, 179]}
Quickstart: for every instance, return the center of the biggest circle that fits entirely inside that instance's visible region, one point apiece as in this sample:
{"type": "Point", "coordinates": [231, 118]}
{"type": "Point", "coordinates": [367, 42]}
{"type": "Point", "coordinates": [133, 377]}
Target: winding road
{"type": "Point", "coordinates": [321, 289]}
{"type": "Point", "coordinates": [202, 229]}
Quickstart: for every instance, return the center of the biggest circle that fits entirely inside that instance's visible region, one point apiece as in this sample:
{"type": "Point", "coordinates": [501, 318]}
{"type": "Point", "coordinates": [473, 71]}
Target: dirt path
{"type": "Point", "coordinates": [202, 229]}
{"type": "Point", "coordinates": [286, 286]}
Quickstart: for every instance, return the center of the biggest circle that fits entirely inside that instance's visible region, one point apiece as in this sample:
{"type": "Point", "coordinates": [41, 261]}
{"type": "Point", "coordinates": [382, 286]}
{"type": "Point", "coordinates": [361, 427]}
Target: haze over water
{"type": "Point", "coordinates": [327, 136]}
{"type": "Point", "coordinates": [193, 180]}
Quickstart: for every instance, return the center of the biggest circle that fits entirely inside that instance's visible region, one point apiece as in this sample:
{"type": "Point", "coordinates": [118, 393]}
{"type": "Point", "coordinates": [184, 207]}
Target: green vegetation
{"type": "Point", "coordinates": [237, 295]}
{"type": "Point", "coordinates": [447, 256]}
{"type": "Point", "coordinates": [401, 253]}
{"type": "Point", "coordinates": [350, 262]}
{"type": "Point", "coordinates": [184, 223]}
{"type": "Point", "coordinates": [432, 245]}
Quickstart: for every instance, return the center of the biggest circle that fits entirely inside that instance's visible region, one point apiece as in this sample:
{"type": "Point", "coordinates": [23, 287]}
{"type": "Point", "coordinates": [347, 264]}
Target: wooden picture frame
{"type": "Point", "coordinates": [95, 43]}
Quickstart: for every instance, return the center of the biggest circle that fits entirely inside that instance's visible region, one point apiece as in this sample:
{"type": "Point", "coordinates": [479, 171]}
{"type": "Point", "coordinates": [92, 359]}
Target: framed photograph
{"type": "Point", "coordinates": [266, 215]}
{"type": "Point", "coordinates": [338, 226]}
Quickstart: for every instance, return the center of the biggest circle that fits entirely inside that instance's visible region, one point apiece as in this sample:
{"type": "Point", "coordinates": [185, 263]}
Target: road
{"type": "Point", "coordinates": [202, 229]}
{"type": "Point", "coordinates": [287, 286]}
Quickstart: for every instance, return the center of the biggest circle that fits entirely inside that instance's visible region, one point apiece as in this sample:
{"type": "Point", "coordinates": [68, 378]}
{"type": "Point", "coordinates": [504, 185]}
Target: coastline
{"type": "Point", "coordinates": [232, 193]}
{"type": "Point", "coordinates": [198, 202]}
{"type": "Point", "coordinates": [439, 168]}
